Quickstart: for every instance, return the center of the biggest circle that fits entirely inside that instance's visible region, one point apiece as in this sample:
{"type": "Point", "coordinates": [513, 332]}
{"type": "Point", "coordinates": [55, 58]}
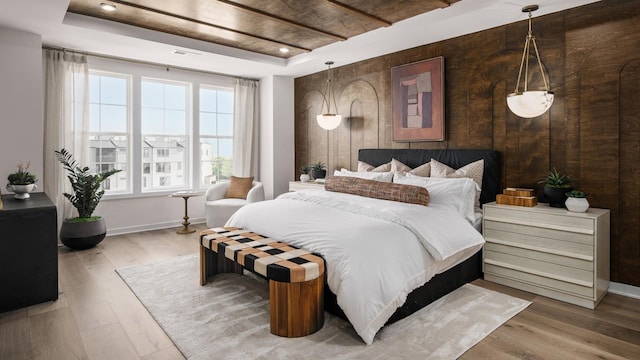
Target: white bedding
{"type": "Point", "coordinates": [374, 256]}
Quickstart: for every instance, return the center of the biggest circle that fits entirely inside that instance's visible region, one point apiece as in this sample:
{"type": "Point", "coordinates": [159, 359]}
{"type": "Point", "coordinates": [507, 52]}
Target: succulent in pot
{"type": "Point", "coordinates": [556, 185]}
{"type": "Point", "coordinates": [304, 173]}
{"type": "Point", "coordinates": [22, 182]}
{"type": "Point", "coordinates": [319, 170]}
{"type": "Point", "coordinates": [577, 201]}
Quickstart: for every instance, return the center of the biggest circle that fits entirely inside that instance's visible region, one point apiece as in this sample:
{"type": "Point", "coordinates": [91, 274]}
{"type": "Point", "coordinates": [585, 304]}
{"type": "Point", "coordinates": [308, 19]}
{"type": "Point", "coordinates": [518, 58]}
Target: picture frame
{"type": "Point", "coordinates": [418, 101]}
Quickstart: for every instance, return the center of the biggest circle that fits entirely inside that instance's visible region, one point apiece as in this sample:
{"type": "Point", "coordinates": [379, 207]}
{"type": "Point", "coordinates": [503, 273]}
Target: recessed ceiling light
{"type": "Point", "coordinates": [284, 50]}
{"type": "Point", "coordinates": [179, 52]}
{"type": "Point", "coordinates": [108, 7]}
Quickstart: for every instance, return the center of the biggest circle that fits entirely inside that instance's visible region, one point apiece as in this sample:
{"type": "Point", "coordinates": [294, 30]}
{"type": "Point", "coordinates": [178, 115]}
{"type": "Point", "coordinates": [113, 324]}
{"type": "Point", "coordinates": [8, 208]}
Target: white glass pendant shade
{"type": "Point", "coordinates": [530, 104]}
{"type": "Point", "coordinates": [329, 121]}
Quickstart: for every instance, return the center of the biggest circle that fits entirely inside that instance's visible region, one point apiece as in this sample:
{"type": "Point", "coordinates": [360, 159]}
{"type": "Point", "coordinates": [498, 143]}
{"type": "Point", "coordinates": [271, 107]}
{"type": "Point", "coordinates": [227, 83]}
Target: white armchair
{"type": "Point", "coordinates": [218, 209]}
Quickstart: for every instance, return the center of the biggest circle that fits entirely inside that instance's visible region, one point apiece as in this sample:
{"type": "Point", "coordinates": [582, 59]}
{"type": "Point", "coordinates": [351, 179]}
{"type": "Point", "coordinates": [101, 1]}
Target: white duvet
{"type": "Point", "coordinates": [376, 251]}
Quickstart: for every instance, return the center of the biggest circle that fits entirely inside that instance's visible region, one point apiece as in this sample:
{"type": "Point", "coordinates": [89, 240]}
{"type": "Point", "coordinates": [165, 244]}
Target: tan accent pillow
{"type": "Point", "coordinates": [239, 187]}
{"type": "Point", "coordinates": [397, 167]}
{"type": "Point", "coordinates": [364, 167]}
{"type": "Point", "coordinates": [410, 194]}
{"type": "Point", "coordinates": [423, 170]}
{"type": "Point", "coordinates": [474, 170]}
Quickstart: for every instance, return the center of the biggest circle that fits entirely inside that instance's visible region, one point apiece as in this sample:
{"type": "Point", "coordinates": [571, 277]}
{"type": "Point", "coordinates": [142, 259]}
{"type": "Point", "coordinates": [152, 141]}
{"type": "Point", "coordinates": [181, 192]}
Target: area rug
{"type": "Point", "coordinates": [229, 319]}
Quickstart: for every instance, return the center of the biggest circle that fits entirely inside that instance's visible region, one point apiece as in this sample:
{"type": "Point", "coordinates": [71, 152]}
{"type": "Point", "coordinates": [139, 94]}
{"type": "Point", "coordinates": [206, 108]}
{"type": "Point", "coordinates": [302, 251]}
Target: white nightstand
{"type": "Point", "coordinates": [548, 251]}
{"type": "Point", "coordinates": [299, 185]}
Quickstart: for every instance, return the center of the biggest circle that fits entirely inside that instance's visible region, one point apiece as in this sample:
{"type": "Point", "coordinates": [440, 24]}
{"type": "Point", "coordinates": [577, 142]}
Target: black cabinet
{"type": "Point", "coordinates": [28, 251]}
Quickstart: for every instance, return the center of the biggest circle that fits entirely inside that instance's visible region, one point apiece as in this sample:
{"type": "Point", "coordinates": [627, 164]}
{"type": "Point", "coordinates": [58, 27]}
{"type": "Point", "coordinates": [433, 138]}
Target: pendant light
{"type": "Point", "coordinates": [529, 104]}
{"type": "Point", "coordinates": [329, 120]}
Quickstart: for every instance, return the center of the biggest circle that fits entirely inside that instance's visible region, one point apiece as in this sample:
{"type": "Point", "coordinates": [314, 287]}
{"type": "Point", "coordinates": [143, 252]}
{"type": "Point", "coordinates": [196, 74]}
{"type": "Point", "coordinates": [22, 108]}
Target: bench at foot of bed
{"type": "Point", "coordinates": [296, 276]}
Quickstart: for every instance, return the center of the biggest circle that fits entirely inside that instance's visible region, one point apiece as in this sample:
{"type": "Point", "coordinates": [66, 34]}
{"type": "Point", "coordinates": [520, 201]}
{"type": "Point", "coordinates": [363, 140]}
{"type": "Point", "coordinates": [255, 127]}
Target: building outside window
{"type": "Point", "coordinates": [164, 130]}
{"type": "Point", "coordinates": [216, 134]}
{"type": "Point", "coordinates": [109, 127]}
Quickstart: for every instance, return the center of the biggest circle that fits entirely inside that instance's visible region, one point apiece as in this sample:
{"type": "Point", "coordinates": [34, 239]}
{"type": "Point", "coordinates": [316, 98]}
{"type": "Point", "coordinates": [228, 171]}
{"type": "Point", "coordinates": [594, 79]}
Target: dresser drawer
{"type": "Point", "coordinates": [575, 224]}
{"type": "Point", "coordinates": [534, 231]}
{"type": "Point", "coordinates": [553, 258]}
{"type": "Point", "coordinates": [542, 267]}
{"type": "Point", "coordinates": [527, 240]}
{"type": "Point", "coordinates": [499, 269]}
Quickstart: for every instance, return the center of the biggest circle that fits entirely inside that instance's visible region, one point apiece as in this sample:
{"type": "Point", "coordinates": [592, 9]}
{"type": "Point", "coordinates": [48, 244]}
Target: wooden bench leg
{"type": "Point", "coordinates": [212, 263]}
{"type": "Point", "coordinates": [296, 309]}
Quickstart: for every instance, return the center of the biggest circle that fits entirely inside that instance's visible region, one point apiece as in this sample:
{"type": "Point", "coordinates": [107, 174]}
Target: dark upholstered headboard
{"type": "Point", "coordinates": [454, 158]}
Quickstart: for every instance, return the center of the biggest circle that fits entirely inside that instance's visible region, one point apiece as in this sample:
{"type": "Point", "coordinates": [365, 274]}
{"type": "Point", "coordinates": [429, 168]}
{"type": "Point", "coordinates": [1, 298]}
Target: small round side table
{"type": "Point", "coordinates": [185, 229]}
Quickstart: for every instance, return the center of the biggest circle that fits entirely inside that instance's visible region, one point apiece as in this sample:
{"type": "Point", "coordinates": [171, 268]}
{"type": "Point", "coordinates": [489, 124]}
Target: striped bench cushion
{"type": "Point", "coordinates": [270, 258]}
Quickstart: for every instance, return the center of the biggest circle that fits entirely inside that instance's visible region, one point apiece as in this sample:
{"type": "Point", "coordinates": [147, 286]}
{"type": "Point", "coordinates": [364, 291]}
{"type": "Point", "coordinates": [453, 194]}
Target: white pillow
{"type": "Point", "coordinates": [457, 194]}
{"type": "Point", "coordinates": [474, 170]}
{"type": "Point", "coordinates": [378, 176]}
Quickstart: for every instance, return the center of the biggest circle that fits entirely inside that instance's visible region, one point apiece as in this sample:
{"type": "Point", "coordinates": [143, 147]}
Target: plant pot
{"type": "Point", "coordinates": [83, 234]}
{"type": "Point", "coordinates": [556, 196]}
{"type": "Point", "coordinates": [577, 204]}
{"type": "Point", "coordinates": [319, 174]}
{"type": "Point", "coordinates": [22, 191]}
{"type": "Point", "coordinates": [305, 178]}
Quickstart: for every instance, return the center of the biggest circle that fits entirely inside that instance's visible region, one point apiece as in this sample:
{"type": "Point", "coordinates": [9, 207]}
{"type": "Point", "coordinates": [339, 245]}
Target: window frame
{"type": "Point", "coordinates": [129, 180]}
{"type": "Point", "coordinates": [138, 72]}
{"type": "Point", "coordinates": [217, 137]}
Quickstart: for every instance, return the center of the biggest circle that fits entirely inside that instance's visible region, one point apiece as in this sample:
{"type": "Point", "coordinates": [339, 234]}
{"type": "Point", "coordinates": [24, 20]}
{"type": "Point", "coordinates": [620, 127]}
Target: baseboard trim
{"type": "Point", "coordinates": [624, 290]}
{"type": "Point", "coordinates": [148, 227]}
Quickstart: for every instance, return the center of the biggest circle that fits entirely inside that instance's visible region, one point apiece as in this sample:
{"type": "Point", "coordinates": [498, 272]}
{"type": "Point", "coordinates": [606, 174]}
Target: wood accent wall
{"type": "Point", "coordinates": [592, 132]}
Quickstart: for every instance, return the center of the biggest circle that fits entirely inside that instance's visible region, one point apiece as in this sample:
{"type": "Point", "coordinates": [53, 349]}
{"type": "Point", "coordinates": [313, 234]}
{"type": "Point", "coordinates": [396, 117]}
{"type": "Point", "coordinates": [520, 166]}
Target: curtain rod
{"type": "Point", "coordinates": [47, 47]}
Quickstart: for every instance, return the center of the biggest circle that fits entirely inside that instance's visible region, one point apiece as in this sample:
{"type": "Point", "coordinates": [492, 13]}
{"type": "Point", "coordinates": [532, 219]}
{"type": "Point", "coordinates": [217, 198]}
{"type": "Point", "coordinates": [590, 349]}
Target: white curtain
{"type": "Point", "coordinates": [245, 129]}
{"type": "Point", "coordinates": [66, 122]}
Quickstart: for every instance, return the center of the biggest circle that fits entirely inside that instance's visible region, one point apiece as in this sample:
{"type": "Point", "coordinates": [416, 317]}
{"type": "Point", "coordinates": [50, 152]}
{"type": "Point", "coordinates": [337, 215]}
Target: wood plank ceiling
{"type": "Point", "coordinates": [261, 26]}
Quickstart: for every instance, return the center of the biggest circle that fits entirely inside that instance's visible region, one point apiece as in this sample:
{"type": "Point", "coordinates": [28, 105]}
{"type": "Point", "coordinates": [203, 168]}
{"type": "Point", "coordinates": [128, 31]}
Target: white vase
{"type": "Point", "coordinates": [305, 178]}
{"type": "Point", "coordinates": [22, 191]}
{"type": "Point", "coordinates": [577, 204]}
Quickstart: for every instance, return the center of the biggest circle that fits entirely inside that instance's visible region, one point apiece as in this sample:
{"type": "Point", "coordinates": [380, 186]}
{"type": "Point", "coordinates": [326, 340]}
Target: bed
{"type": "Point", "coordinates": [377, 272]}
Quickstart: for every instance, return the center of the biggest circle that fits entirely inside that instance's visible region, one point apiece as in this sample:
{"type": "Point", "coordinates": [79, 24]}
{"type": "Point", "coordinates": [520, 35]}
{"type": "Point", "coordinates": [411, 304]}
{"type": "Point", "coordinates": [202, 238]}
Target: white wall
{"type": "Point", "coordinates": [21, 104]}
{"type": "Point", "coordinates": [277, 147]}
{"type": "Point", "coordinates": [148, 213]}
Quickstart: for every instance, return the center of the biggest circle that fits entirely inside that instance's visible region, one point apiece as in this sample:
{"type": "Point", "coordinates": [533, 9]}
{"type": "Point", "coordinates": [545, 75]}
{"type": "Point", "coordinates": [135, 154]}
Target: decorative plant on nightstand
{"type": "Point", "coordinates": [84, 231]}
{"type": "Point", "coordinates": [22, 182]}
{"type": "Point", "coordinates": [304, 173]}
{"type": "Point", "coordinates": [577, 201]}
{"type": "Point", "coordinates": [556, 185]}
{"type": "Point", "coordinates": [319, 170]}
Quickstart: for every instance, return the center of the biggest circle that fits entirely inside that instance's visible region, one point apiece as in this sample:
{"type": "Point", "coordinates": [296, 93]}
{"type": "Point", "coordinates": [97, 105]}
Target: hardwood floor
{"type": "Point", "coordinates": [98, 317]}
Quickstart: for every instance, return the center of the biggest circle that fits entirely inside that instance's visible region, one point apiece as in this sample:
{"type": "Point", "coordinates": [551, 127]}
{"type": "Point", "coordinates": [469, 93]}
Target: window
{"type": "Point", "coordinates": [163, 167]}
{"type": "Point", "coordinates": [167, 130]}
{"type": "Point", "coordinates": [164, 129]}
{"type": "Point", "coordinates": [109, 127]}
{"type": "Point", "coordinates": [216, 134]}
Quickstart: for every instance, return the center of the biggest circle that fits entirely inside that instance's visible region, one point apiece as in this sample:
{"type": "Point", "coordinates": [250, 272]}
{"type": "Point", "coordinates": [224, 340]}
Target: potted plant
{"type": "Point", "coordinates": [304, 173]}
{"type": "Point", "coordinates": [22, 182]}
{"type": "Point", "coordinates": [319, 170]}
{"type": "Point", "coordinates": [556, 185]}
{"type": "Point", "coordinates": [84, 231]}
{"type": "Point", "coordinates": [576, 201]}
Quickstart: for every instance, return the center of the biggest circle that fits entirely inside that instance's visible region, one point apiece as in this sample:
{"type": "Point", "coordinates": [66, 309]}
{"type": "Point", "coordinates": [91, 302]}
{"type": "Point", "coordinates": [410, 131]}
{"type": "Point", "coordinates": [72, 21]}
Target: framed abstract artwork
{"type": "Point", "coordinates": [418, 101]}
